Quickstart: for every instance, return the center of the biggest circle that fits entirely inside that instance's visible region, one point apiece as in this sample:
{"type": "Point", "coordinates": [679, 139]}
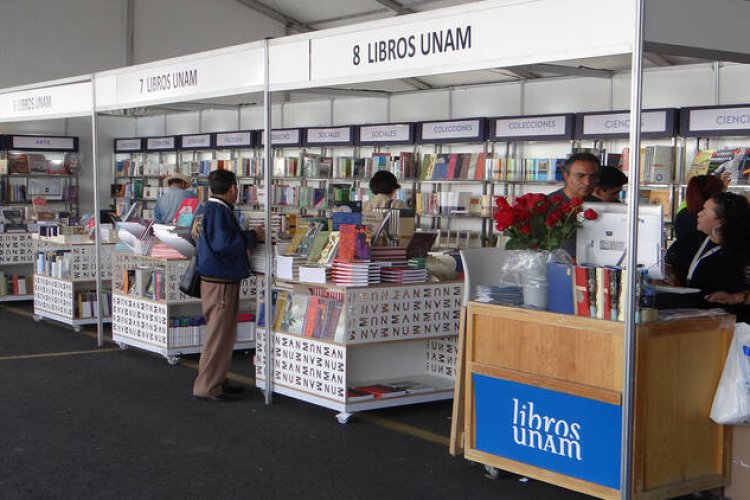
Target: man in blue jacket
{"type": "Point", "coordinates": [223, 248]}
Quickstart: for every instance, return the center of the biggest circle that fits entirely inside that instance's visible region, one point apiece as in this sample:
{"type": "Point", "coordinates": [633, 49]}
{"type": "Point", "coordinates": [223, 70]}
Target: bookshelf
{"type": "Point", "coordinates": [16, 266]}
{"type": "Point", "coordinates": [42, 168]}
{"type": "Point", "coordinates": [65, 282]}
{"type": "Point", "coordinates": [154, 315]}
{"type": "Point", "coordinates": [453, 195]}
{"type": "Point", "coordinates": [384, 334]}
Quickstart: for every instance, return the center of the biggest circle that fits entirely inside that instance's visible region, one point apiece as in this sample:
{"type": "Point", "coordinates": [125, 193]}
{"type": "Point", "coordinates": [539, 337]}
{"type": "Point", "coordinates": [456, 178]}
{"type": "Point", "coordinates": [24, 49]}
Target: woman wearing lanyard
{"type": "Point", "coordinates": [721, 265]}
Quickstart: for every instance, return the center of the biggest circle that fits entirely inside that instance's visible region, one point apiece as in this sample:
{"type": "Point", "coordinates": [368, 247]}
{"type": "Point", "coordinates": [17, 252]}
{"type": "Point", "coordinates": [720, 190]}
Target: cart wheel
{"type": "Point", "coordinates": [122, 345]}
{"type": "Point", "coordinates": [492, 473]}
{"type": "Point", "coordinates": [77, 328]}
{"type": "Point", "coordinates": [173, 360]}
{"type": "Point", "coordinates": [343, 417]}
{"type": "Point", "coordinates": [37, 318]}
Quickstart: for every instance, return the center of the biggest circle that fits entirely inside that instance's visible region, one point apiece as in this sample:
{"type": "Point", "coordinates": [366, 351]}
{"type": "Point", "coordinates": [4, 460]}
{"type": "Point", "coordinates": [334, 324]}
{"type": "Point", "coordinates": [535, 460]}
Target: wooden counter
{"type": "Point", "coordinates": [543, 396]}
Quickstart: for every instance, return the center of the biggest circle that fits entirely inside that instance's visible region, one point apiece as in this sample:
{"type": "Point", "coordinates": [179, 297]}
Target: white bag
{"type": "Point", "coordinates": [732, 400]}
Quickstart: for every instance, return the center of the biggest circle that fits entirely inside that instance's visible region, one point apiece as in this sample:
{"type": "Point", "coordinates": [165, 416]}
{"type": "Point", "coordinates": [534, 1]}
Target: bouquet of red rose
{"type": "Point", "coordinates": [539, 222]}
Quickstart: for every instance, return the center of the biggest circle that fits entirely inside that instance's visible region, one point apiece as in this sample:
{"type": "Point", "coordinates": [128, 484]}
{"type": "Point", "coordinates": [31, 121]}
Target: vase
{"type": "Point", "coordinates": [534, 279]}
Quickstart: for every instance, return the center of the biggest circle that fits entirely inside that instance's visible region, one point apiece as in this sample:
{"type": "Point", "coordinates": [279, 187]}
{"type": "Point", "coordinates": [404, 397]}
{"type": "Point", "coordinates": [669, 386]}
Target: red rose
{"type": "Point", "coordinates": [551, 220]}
{"type": "Point", "coordinates": [565, 207]}
{"type": "Point", "coordinates": [501, 203]}
{"type": "Point", "coordinates": [525, 229]}
{"type": "Point", "coordinates": [590, 214]}
{"type": "Point", "coordinates": [576, 202]}
{"type": "Point", "coordinates": [541, 206]}
{"type": "Point", "coordinates": [504, 219]}
{"type": "Point", "coordinates": [556, 199]}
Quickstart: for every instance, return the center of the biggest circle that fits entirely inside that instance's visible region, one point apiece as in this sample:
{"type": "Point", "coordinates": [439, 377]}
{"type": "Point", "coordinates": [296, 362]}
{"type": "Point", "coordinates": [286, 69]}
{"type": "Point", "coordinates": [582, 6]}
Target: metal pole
{"type": "Point", "coordinates": [97, 235]}
{"type": "Point", "coordinates": [636, 83]}
{"type": "Point", "coordinates": [267, 174]}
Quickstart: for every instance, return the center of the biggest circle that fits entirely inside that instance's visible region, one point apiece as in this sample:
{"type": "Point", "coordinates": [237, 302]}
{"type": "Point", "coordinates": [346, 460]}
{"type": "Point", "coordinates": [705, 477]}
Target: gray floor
{"type": "Point", "coordinates": [82, 422]}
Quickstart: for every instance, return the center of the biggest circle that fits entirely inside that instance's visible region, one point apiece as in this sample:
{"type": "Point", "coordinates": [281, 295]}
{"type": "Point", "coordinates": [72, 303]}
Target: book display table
{"type": "Point", "coordinates": [69, 297]}
{"type": "Point", "coordinates": [390, 333]}
{"type": "Point", "coordinates": [16, 266]}
{"type": "Point", "coordinates": [543, 396]}
{"type": "Point", "coordinates": [164, 320]}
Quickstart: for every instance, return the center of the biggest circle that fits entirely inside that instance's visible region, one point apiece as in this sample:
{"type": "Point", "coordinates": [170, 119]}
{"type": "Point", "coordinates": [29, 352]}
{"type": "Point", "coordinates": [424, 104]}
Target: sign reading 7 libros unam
{"type": "Point", "coordinates": [568, 434]}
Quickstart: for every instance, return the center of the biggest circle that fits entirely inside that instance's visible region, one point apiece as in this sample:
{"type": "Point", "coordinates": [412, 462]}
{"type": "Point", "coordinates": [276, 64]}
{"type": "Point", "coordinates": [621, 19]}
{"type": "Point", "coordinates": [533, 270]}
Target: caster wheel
{"type": "Point", "coordinates": [122, 345]}
{"type": "Point", "coordinates": [492, 473]}
{"type": "Point", "coordinates": [343, 417]}
{"type": "Point", "coordinates": [77, 329]}
{"type": "Point", "coordinates": [173, 360]}
{"type": "Point", "coordinates": [37, 318]}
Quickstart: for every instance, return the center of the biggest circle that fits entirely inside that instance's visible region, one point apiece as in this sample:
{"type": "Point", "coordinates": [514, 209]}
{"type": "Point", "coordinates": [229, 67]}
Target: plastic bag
{"type": "Point", "coordinates": [731, 404]}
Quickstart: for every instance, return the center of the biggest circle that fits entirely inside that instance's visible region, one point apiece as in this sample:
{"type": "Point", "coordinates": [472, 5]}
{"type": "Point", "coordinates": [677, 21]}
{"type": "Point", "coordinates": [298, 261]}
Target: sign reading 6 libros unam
{"type": "Point", "coordinates": [576, 436]}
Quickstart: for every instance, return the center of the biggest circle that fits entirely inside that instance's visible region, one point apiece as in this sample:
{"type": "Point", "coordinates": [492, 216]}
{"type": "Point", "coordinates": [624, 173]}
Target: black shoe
{"type": "Point", "coordinates": [223, 397]}
{"type": "Point", "coordinates": [232, 389]}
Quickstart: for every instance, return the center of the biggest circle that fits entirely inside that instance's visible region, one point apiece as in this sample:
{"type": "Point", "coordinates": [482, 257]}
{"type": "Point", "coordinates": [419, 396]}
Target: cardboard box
{"type": "Point", "coordinates": [739, 483]}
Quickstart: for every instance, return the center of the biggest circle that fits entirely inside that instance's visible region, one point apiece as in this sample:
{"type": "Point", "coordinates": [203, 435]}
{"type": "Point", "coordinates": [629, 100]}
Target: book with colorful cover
{"type": "Point", "coordinates": [18, 164]}
{"type": "Point", "coordinates": [382, 391]}
{"type": "Point", "coordinates": [321, 237]}
{"type": "Point", "coordinates": [37, 163]}
{"type": "Point", "coordinates": [297, 313]}
{"type": "Point", "coordinates": [311, 316]}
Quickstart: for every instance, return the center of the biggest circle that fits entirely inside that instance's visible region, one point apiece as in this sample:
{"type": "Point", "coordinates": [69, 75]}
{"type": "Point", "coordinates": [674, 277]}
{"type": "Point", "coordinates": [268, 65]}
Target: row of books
{"type": "Point", "coordinates": [53, 264]}
{"type": "Point", "coordinates": [310, 165]}
{"type": "Point", "coordinates": [733, 160]}
{"type": "Point", "coordinates": [37, 163]}
{"type": "Point", "coordinates": [584, 290]}
{"type": "Point", "coordinates": [147, 282]}
{"type": "Point", "coordinates": [186, 331]}
{"type": "Point", "coordinates": [453, 166]}
{"type": "Point", "coordinates": [306, 316]}
{"type": "Point", "coordinates": [86, 303]}
{"type": "Point", "coordinates": [15, 284]}
{"type": "Point", "coordinates": [128, 167]}
{"type": "Point", "coordinates": [135, 190]}
{"type": "Point", "coordinates": [387, 390]}
{"type": "Point", "coordinates": [526, 169]}
{"type": "Point", "coordinates": [657, 163]}
{"type": "Point", "coordinates": [452, 202]}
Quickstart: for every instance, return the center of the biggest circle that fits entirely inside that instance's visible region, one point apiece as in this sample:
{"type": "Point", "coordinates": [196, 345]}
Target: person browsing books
{"type": "Point", "coordinates": [687, 236]}
{"type": "Point", "coordinates": [611, 181]}
{"type": "Point", "coordinates": [581, 175]}
{"type": "Point", "coordinates": [720, 267]}
{"type": "Point", "coordinates": [167, 205]}
{"type": "Point", "coordinates": [223, 247]}
{"type": "Point", "coordinates": [383, 186]}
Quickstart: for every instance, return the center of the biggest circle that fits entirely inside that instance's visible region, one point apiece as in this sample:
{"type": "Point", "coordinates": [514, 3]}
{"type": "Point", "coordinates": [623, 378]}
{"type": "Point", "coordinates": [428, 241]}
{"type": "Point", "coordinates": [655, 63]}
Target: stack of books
{"type": "Point", "coordinates": [509, 295]}
{"type": "Point", "coordinates": [403, 275]}
{"type": "Point", "coordinates": [355, 273]}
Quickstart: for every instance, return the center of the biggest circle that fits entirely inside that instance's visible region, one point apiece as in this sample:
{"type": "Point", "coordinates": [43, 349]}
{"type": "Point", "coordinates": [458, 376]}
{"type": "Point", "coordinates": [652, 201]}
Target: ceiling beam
{"type": "Point", "coordinates": [288, 21]}
{"type": "Point", "coordinates": [396, 7]}
{"type": "Point", "coordinates": [560, 70]}
{"type": "Point", "coordinates": [332, 92]}
{"type": "Point", "coordinates": [657, 59]}
{"type": "Point", "coordinates": [417, 83]}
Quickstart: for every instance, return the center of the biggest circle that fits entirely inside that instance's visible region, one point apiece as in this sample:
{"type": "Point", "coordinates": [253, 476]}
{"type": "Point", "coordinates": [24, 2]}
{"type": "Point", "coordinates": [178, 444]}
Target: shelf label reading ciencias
{"type": "Point", "coordinates": [719, 119]}
{"type": "Point", "coordinates": [619, 123]}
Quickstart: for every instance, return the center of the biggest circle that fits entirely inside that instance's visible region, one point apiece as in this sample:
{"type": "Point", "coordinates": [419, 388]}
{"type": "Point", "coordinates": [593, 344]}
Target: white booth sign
{"type": "Point", "coordinates": [531, 126]}
{"type": "Point", "coordinates": [283, 137]}
{"type": "Point", "coordinates": [216, 74]}
{"type": "Point", "coordinates": [619, 123]}
{"type": "Point", "coordinates": [196, 141]}
{"type": "Point", "coordinates": [63, 100]}
{"type": "Point", "coordinates": [123, 145]}
{"type": "Point", "coordinates": [234, 140]}
{"type": "Point", "coordinates": [160, 143]}
{"type": "Point", "coordinates": [39, 142]}
{"type": "Point", "coordinates": [384, 134]}
{"type": "Point", "coordinates": [451, 130]}
{"type": "Point", "coordinates": [721, 119]}
{"type": "Point", "coordinates": [338, 135]}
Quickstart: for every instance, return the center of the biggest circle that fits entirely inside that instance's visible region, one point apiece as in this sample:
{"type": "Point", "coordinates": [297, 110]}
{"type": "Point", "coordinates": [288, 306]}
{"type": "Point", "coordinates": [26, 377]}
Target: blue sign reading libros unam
{"type": "Point", "coordinates": [571, 435]}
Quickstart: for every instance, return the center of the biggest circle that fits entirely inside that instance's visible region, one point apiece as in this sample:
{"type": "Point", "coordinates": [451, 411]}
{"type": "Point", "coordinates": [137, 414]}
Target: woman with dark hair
{"type": "Point", "coordinates": [720, 267]}
{"type": "Point", "coordinates": [687, 236]}
{"type": "Point", "coordinates": [384, 186]}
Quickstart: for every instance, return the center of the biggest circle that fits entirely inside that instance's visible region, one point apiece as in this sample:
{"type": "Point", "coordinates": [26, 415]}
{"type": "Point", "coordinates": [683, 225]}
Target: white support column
{"type": "Point", "coordinates": [97, 234]}
{"type": "Point", "coordinates": [267, 116]}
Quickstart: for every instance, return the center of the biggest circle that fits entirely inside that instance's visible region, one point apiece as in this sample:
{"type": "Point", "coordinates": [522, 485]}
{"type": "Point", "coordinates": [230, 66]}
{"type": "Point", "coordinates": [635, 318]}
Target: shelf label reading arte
{"type": "Point", "coordinates": [234, 139]}
{"type": "Point", "coordinates": [619, 123]}
{"type": "Point", "coordinates": [724, 119]}
{"type": "Point", "coordinates": [462, 129]}
{"type": "Point", "coordinates": [283, 137]}
{"type": "Point", "coordinates": [153, 143]}
{"type": "Point", "coordinates": [127, 145]}
{"type": "Point", "coordinates": [196, 141]}
{"type": "Point", "coordinates": [381, 134]}
{"type": "Point", "coordinates": [531, 126]}
{"type": "Point", "coordinates": [571, 435]}
{"type": "Point", "coordinates": [329, 135]}
{"type": "Point", "coordinates": [36, 142]}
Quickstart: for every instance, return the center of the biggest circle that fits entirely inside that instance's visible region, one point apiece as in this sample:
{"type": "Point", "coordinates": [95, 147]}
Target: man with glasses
{"type": "Point", "coordinates": [581, 175]}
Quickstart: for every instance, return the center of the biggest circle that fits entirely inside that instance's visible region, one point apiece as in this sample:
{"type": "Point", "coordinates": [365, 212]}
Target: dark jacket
{"type": "Point", "coordinates": [223, 245]}
{"type": "Point", "coordinates": [569, 245]}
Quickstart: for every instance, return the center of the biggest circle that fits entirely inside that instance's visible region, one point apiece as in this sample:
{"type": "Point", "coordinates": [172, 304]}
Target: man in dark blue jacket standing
{"type": "Point", "coordinates": [223, 248]}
